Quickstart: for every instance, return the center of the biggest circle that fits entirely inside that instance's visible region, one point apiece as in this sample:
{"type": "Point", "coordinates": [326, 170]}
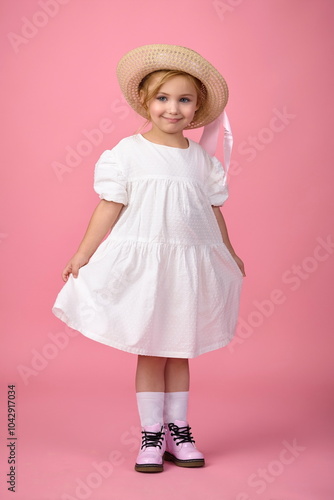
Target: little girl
{"type": "Point", "coordinates": [165, 283]}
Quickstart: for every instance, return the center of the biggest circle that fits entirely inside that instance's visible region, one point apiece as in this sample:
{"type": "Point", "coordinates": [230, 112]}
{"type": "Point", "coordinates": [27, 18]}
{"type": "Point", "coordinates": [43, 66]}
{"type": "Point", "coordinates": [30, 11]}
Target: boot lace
{"type": "Point", "coordinates": [182, 434]}
{"type": "Point", "coordinates": [152, 439]}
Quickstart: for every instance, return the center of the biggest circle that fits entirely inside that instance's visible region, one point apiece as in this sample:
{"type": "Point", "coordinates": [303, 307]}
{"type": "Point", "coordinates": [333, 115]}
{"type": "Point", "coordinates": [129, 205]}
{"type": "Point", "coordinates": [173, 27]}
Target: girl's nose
{"type": "Point", "coordinates": [173, 107]}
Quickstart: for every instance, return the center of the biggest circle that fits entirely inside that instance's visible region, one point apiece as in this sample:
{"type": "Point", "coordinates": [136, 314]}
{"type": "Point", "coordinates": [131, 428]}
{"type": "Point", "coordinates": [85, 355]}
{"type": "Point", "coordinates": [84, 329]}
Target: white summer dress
{"type": "Point", "coordinates": [162, 283]}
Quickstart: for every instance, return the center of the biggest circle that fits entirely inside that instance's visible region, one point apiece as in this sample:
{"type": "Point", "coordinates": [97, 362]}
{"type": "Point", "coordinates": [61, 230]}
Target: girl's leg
{"type": "Point", "coordinates": [150, 388]}
{"type": "Point", "coordinates": [176, 389]}
{"type": "Point", "coordinates": [180, 445]}
{"type": "Point", "coordinates": [177, 375]}
{"type": "Point", "coordinates": [150, 374]}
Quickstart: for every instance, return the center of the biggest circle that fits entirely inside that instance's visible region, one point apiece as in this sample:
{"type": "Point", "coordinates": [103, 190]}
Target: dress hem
{"type": "Point", "coordinates": [170, 354]}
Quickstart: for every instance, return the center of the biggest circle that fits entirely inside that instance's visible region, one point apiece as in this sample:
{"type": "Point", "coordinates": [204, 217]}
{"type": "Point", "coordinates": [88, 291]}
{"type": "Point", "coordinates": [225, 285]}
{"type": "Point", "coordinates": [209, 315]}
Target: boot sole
{"type": "Point", "coordinates": [149, 468]}
{"type": "Point", "coordinates": [196, 462]}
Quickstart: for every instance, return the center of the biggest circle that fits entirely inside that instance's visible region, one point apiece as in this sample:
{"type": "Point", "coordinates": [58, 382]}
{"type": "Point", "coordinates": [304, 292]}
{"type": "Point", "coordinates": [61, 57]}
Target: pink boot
{"type": "Point", "coordinates": [150, 456]}
{"type": "Point", "coordinates": [180, 446]}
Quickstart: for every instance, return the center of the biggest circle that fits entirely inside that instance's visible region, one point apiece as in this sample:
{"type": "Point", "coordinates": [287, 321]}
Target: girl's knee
{"type": "Point", "coordinates": [151, 360]}
{"type": "Point", "coordinates": [177, 361]}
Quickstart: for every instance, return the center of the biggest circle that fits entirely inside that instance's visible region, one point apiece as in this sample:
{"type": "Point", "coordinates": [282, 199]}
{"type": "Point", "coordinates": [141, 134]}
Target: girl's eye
{"type": "Point", "coordinates": [184, 99]}
{"type": "Point", "coordinates": [161, 98]}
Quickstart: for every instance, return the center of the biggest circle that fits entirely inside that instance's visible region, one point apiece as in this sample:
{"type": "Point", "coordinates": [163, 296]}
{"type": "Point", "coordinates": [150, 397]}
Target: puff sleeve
{"type": "Point", "coordinates": [109, 179]}
{"type": "Point", "coordinates": [217, 189]}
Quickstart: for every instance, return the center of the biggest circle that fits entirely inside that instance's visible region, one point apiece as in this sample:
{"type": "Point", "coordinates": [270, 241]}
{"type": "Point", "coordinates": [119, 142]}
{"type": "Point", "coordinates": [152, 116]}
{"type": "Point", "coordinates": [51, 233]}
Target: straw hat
{"type": "Point", "coordinates": [139, 62]}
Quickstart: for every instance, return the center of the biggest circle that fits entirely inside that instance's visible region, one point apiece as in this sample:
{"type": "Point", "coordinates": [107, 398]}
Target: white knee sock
{"type": "Point", "coordinates": [150, 407]}
{"type": "Point", "coordinates": [176, 406]}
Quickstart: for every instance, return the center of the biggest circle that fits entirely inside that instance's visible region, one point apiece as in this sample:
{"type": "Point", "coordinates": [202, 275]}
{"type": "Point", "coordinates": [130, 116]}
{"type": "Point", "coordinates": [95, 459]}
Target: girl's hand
{"type": "Point", "coordinates": [73, 266]}
{"type": "Point", "coordinates": [240, 264]}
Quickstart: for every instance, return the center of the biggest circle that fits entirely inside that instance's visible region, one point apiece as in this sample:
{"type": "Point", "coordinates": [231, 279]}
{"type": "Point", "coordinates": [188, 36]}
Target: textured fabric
{"type": "Point", "coordinates": [176, 406]}
{"type": "Point", "coordinates": [162, 283]}
{"type": "Point", "coordinates": [109, 181]}
{"type": "Point", "coordinates": [150, 407]}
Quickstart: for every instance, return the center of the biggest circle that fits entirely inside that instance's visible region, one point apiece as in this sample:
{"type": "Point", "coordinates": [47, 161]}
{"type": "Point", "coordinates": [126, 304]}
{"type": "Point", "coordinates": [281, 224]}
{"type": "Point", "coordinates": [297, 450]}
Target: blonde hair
{"type": "Point", "coordinates": [148, 93]}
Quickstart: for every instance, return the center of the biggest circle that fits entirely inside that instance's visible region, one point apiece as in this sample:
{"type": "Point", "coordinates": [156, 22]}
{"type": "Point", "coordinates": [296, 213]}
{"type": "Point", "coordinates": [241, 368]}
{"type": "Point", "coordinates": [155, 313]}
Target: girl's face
{"type": "Point", "coordinates": [172, 109]}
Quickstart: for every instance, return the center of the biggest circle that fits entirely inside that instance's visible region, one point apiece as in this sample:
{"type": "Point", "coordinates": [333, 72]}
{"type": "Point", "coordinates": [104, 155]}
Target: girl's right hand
{"type": "Point", "coordinates": [73, 266]}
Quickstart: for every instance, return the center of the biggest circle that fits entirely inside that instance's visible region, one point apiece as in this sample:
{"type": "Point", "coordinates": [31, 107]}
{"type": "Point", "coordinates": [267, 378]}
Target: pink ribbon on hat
{"type": "Point", "coordinates": [209, 138]}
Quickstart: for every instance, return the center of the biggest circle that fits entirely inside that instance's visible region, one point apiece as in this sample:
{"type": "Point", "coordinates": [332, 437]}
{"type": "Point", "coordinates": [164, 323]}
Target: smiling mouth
{"type": "Point", "coordinates": [172, 120]}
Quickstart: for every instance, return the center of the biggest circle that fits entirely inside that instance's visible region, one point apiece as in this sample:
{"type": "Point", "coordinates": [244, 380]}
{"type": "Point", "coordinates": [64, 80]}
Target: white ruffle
{"type": "Point", "coordinates": [109, 180]}
{"type": "Point", "coordinates": [217, 188]}
{"type": "Point", "coordinates": [155, 299]}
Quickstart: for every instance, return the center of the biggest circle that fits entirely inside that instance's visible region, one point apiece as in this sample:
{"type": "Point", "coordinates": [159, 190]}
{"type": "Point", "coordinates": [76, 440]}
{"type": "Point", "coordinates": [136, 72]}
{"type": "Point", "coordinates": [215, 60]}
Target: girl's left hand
{"type": "Point", "coordinates": [240, 264]}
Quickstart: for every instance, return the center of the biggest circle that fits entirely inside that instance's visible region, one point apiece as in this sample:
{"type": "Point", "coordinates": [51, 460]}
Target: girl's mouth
{"type": "Point", "coordinates": [172, 120]}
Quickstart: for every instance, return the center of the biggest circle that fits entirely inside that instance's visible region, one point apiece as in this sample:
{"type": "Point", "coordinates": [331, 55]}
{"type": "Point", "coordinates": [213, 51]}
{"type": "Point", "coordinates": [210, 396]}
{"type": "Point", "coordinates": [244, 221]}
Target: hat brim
{"type": "Point", "coordinates": [139, 62]}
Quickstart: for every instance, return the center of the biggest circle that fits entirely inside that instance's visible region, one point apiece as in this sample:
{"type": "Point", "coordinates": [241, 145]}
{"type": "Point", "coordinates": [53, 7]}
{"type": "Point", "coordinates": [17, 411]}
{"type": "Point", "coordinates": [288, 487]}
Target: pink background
{"type": "Point", "coordinates": [270, 389]}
